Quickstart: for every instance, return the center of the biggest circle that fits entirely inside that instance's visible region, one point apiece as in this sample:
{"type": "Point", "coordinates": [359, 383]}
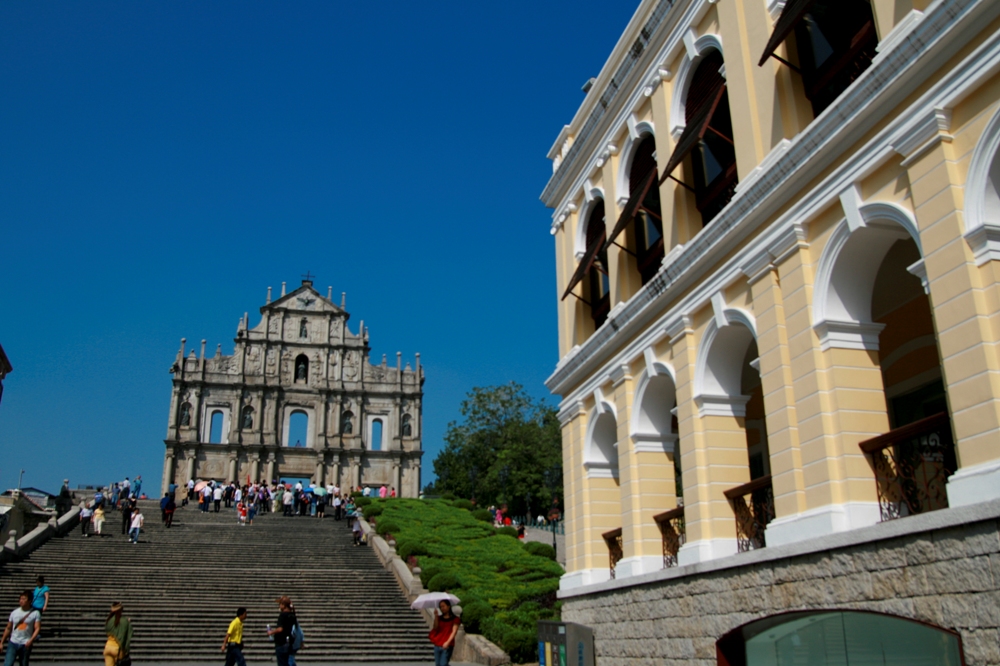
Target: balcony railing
{"type": "Point", "coordinates": [912, 465]}
{"type": "Point", "coordinates": [613, 539]}
{"type": "Point", "coordinates": [671, 524]}
{"type": "Point", "coordinates": [753, 504]}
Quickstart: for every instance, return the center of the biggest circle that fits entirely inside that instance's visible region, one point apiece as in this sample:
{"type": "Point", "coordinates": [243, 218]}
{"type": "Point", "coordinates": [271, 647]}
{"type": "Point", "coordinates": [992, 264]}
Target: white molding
{"type": "Point", "coordinates": [933, 125]}
{"type": "Point", "coordinates": [821, 521]}
{"type": "Point", "coordinates": [636, 566]}
{"type": "Point", "coordinates": [570, 411]}
{"type": "Point", "coordinates": [774, 8]}
{"type": "Point", "coordinates": [817, 154]}
{"type": "Point", "coordinates": [652, 443]}
{"type": "Point", "coordinates": [584, 577]}
{"type": "Point", "coordinates": [975, 484]}
{"type": "Point", "coordinates": [637, 131]}
{"type": "Point", "coordinates": [695, 49]}
{"type": "Point", "coordinates": [899, 32]}
{"type": "Point", "coordinates": [704, 550]}
{"type": "Point", "coordinates": [848, 334]}
{"type": "Point", "coordinates": [850, 203]}
{"type": "Point", "coordinates": [600, 470]}
{"type": "Point", "coordinates": [721, 405]}
{"type": "Point", "coordinates": [601, 405]}
{"type": "Point", "coordinates": [982, 198]}
{"type": "Point", "coordinates": [919, 270]}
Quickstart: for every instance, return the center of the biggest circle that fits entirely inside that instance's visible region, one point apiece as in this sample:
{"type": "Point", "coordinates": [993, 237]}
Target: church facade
{"type": "Point", "coordinates": [232, 417]}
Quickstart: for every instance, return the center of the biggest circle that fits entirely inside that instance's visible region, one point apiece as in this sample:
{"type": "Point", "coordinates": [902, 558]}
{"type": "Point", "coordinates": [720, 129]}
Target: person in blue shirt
{"type": "Point", "coordinates": [137, 491]}
{"type": "Point", "coordinates": [40, 596]}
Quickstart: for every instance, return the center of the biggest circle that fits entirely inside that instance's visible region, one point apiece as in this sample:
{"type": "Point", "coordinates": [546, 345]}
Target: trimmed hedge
{"type": "Point", "coordinates": [483, 515]}
{"type": "Point", "coordinates": [507, 531]}
{"type": "Point", "coordinates": [373, 511]}
{"type": "Point", "coordinates": [540, 549]}
{"type": "Point", "coordinates": [363, 501]}
{"type": "Point", "coordinates": [482, 566]}
{"type": "Point", "coordinates": [387, 527]}
{"type": "Point", "coordinates": [406, 549]}
{"type": "Point", "coordinates": [463, 504]}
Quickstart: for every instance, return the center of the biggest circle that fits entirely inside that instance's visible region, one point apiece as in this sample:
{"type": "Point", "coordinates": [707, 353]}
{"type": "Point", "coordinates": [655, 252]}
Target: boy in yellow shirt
{"type": "Point", "coordinates": [232, 644]}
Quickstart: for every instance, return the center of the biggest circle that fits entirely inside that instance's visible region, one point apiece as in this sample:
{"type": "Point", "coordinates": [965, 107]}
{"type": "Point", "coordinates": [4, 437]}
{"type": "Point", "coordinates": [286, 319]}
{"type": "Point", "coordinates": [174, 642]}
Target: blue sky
{"type": "Point", "coordinates": [163, 163]}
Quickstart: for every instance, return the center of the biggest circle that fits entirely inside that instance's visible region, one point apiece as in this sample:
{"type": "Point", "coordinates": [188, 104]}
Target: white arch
{"type": "Point", "coordinates": [846, 274]}
{"type": "Point", "coordinates": [206, 421]}
{"type": "Point", "coordinates": [719, 366]}
{"type": "Point", "coordinates": [655, 400]}
{"type": "Point", "coordinates": [580, 241]}
{"type": "Point", "coordinates": [700, 47]}
{"type": "Point", "coordinates": [310, 424]}
{"type": "Point", "coordinates": [642, 130]}
{"type": "Point", "coordinates": [982, 195]}
{"type": "Point", "coordinates": [600, 455]}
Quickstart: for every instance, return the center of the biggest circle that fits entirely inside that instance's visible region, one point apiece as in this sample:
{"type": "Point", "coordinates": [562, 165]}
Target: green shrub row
{"type": "Point", "coordinates": [505, 586]}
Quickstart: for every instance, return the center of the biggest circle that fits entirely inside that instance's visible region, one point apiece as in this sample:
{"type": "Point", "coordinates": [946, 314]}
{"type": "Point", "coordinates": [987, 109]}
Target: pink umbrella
{"type": "Point", "coordinates": [198, 487]}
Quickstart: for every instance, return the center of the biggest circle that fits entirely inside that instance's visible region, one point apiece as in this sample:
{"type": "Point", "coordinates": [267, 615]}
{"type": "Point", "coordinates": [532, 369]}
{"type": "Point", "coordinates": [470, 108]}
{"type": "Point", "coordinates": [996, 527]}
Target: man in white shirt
{"type": "Point", "coordinates": [217, 497]}
{"type": "Point", "coordinates": [336, 507]}
{"type": "Point", "coordinates": [206, 497]}
{"type": "Point", "coordinates": [137, 521]}
{"type": "Point", "coordinates": [22, 629]}
{"type": "Point", "coordinates": [286, 499]}
{"type": "Point", "coordinates": [190, 487]}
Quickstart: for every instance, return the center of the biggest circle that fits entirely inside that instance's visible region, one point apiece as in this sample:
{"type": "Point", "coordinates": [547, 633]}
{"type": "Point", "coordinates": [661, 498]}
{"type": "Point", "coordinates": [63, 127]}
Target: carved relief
{"type": "Point", "coordinates": [351, 365]}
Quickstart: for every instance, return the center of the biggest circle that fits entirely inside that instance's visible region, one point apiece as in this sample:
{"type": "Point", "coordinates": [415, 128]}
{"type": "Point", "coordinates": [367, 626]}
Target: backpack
{"type": "Point", "coordinates": [297, 637]}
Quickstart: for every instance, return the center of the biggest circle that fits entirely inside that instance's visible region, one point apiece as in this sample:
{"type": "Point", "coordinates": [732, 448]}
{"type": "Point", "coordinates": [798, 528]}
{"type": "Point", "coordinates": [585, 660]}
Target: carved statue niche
{"type": "Point", "coordinates": [407, 427]}
{"type": "Point", "coordinates": [347, 423]}
{"type": "Point", "coordinates": [247, 418]}
{"type": "Point", "coordinates": [185, 419]}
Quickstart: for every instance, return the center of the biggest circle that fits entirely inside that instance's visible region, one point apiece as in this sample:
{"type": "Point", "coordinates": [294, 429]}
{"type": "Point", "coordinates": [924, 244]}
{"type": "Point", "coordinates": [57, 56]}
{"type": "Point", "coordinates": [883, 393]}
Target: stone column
{"type": "Point", "coordinates": [318, 474]}
{"type": "Point", "coordinates": [397, 478]}
{"type": "Point", "coordinates": [270, 466]}
{"type": "Point", "coordinates": [254, 466]}
{"type": "Point", "coordinates": [190, 454]}
{"type": "Point", "coordinates": [963, 299]}
{"type": "Point", "coordinates": [232, 467]}
{"type": "Point", "coordinates": [168, 471]}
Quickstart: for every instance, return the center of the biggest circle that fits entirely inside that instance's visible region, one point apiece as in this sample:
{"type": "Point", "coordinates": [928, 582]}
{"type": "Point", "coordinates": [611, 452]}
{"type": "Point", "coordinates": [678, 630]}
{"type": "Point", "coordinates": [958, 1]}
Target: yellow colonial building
{"type": "Point", "coordinates": [777, 234]}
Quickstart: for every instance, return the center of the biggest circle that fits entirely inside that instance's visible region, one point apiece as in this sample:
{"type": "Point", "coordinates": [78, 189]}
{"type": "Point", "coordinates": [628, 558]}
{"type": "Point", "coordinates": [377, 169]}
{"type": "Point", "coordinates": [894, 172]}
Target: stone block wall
{"type": "Point", "coordinates": [947, 575]}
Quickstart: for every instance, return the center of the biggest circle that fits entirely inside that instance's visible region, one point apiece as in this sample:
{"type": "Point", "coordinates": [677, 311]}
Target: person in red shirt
{"type": "Point", "coordinates": [443, 633]}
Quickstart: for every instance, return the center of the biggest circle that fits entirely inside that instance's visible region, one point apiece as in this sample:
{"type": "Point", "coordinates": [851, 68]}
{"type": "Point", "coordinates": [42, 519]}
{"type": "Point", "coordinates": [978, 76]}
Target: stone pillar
{"type": "Point", "coordinates": [254, 466]}
{"type": "Point", "coordinates": [397, 478]}
{"type": "Point", "coordinates": [168, 471]}
{"type": "Point", "coordinates": [964, 301]}
{"type": "Point", "coordinates": [270, 467]}
{"type": "Point", "coordinates": [713, 459]}
{"type": "Point", "coordinates": [318, 475]}
{"type": "Point", "coordinates": [232, 468]}
{"type": "Point", "coordinates": [190, 453]}
{"type": "Point", "coordinates": [779, 398]}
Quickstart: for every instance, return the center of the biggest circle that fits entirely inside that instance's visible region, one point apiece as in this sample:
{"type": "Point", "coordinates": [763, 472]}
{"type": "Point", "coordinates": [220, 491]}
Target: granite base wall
{"type": "Point", "coordinates": [949, 577]}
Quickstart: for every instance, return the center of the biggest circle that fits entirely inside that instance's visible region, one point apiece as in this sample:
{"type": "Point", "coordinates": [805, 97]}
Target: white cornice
{"type": "Point", "coordinates": [886, 84]}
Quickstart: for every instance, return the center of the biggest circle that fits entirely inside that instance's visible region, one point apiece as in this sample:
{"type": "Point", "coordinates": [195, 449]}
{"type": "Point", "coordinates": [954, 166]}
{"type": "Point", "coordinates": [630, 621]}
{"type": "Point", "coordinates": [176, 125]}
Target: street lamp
{"type": "Point", "coordinates": [552, 481]}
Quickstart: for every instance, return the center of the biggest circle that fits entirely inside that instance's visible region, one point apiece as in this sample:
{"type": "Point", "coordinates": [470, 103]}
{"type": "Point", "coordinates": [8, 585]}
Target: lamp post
{"type": "Point", "coordinates": [551, 480]}
{"type": "Point", "coordinates": [19, 477]}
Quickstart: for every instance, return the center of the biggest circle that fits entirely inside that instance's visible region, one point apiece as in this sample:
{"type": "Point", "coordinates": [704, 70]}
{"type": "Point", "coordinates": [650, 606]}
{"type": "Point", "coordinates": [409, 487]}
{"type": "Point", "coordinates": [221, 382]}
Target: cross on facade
{"type": "Point", "coordinates": [308, 276]}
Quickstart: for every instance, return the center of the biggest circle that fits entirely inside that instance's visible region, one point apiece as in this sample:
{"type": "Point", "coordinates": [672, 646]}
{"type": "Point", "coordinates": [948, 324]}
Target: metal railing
{"type": "Point", "coordinates": [613, 539]}
{"type": "Point", "coordinates": [753, 505]}
{"type": "Point", "coordinates": [547, 525]}
{"type": "Point", "coordinates": [912, 465]}
{"type": "Point", "coordinates": [673, 533]}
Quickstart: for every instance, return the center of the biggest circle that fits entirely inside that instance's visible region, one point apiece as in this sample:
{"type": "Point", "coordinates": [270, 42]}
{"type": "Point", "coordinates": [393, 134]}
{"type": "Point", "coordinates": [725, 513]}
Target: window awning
{"type": "Point", "coordinates": [790, 17]}
{"type": "Point", "coordinates": [632, 205]}
{"type": "Point", "coordinates": [585, 263]}
{"type": "Point", "coordinates": [695, 129]}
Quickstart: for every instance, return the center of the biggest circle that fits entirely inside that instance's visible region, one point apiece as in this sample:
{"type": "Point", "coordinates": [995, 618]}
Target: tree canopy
{"type": "Point", "coordinates": [507, 449]}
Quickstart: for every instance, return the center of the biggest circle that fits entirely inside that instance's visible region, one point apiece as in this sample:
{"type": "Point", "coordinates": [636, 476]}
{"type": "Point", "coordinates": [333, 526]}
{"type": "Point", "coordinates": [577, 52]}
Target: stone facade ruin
{"type": "Point", "coordinates": [363, 421]}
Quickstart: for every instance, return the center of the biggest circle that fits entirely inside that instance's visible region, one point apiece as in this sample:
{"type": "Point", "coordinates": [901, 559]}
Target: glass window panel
{"type": "Point", "coordinates": [852, 639]}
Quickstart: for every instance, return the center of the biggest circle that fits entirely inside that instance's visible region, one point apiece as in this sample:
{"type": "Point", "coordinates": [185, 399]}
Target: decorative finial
{"type": "Point", "coordinates": [282, 288]}
{"type": "Point", "coordinates": [329, 293]}
{"type": "Point", "coordinates": [343, 300]}
{"type": "Point", "coordinates": [268, 295]}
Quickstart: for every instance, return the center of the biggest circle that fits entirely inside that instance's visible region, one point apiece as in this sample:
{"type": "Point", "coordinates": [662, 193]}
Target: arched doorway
{"type": "Point", "coordinates": [837, 637]}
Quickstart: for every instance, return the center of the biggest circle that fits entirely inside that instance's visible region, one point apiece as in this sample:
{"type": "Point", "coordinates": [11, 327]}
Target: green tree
{"type": "Point", "coordinates": [506, 449]}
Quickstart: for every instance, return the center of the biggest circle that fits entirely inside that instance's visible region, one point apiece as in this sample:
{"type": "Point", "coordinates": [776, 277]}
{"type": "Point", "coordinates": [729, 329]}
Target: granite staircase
{"type": "Point", "coordinates": [181, 587]}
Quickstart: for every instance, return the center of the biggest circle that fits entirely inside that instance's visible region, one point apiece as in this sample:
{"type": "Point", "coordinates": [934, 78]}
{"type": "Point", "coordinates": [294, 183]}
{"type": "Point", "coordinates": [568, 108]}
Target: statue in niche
{"type": "Point", "coordinates": [346, 425]}
{"type": "Point", "coordinates": [186, 414]}
{"type": "Point", "coordinates": [248, 418]}
{"type": "Point", "coordinates": [407, 426]}
{"type": "Point", "coordinates": [301, 368]}
{"type": "Point", "coordinates": [304, 328]}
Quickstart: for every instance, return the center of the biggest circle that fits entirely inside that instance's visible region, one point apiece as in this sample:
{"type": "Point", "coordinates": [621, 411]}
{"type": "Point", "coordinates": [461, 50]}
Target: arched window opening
{"type": "Point", "coordinates": [298, 430]}
{"type": "Point", "coordinates": [376, 436]}
{"type": "Point", "coordinates": [304, 328]}
{"type": "Point", "coordinates": [247, 422]}
{"type": "Point", "coordinates": [347, 423]}
{"type": "Point", "coordinates": [407, 426]}
{"type": "Point", "coordinates": [648, 218]}
{"type": "Point", "coordinates": [593, 268]}
{"type": "Point", "coordinates": [301, 369]}
{"type": "Point", "coordinates": [708, 138]}
{"type": "Point", "coordinates": [215, 429]}
{"type": "Point", "coordinates": [758, 454]}
{"type": "Point", "coordinates": [602, 452]}
{"type": "Point", "coordinates": [184, 418]}
{"type": "Point", "coordinates": [835, 43]}
{"type": "Point", "coordinates": [834, 637]}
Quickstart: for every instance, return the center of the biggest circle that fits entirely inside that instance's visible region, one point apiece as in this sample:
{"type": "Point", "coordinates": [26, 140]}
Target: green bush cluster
{"type": "Point", "coordinates": [540, 549]}
{"type": "Point", "coordinates": [507, 531]}
{"type": "Point", "coordinates": [505, 586]}
{"type": "Point", "coordinates": [373, 511]}
{"type": "Point", "coordinates": [463, 504]}
{"type": "Point", "coordinates": [483, 515]}
{"type": "Point", "coordinates": [362, 501]}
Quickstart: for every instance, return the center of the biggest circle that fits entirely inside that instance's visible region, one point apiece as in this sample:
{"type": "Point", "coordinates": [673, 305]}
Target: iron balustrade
{"type": "Point", "coordinates": [912, 465]}
{"type": "Point", "coordinates": [753, 504]}
{"type": "Point", "coordinates": [613, 539]}
{"type": "Point", "coordinates": [673, 533]}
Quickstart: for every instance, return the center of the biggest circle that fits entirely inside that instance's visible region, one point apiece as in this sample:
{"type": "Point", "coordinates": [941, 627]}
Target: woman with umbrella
{"type": "Point", "coordinates": [443, 633]}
